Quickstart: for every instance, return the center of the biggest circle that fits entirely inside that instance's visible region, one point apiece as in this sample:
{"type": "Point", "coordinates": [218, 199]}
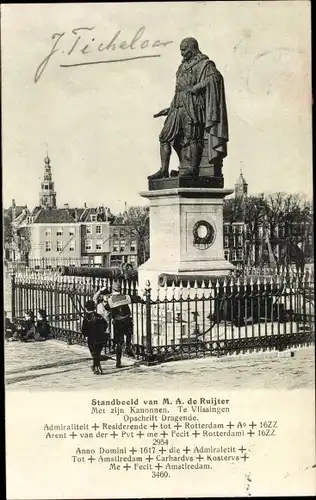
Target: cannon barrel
{"type": "Point", "coordinates": [114, 273]}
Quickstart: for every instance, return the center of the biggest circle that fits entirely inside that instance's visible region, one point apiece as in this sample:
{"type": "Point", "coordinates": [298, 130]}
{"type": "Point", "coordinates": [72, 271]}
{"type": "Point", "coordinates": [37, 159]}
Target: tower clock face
{"type": "Point", "coordinates": [203, 234]}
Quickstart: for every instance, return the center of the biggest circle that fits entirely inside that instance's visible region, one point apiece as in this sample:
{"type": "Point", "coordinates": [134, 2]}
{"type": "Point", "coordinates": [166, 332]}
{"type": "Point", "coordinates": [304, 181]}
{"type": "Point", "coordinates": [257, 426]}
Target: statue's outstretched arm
{"type": "Point", "coordinates": [163, 112]}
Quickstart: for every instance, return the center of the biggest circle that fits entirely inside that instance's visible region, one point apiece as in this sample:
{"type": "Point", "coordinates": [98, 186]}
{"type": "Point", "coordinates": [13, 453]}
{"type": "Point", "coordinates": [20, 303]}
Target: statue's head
{"type": "Point", "coordinates": [189, 47]}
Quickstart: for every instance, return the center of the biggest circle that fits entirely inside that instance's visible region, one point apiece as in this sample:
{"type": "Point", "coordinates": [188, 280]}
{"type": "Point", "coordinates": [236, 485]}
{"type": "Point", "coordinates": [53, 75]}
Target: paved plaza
{"type": "Point", "coordinates": [53, 365]}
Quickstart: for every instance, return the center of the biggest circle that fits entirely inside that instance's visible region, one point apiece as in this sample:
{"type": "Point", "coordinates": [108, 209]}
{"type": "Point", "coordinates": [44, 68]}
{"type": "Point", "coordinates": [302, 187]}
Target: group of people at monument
{"type": "Point", "coordinates": [28, 329]}
{"type": "Point", "coordinates": [105, 308]}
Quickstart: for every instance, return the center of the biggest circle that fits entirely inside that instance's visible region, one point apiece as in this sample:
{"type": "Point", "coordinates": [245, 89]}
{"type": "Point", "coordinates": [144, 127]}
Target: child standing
{"type": "Point", "coordinates": [118, 305]}
{"type": "Point", "coordinates": [93, 329]}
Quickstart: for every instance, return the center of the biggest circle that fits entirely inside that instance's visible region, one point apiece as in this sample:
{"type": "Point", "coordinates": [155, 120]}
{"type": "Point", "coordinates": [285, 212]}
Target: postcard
{"type": "Point", "coordinates": [158, 250]}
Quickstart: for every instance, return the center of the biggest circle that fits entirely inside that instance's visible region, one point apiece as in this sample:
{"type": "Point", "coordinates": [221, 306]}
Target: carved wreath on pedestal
{"type": "Point", "coordinates": [203, 234]}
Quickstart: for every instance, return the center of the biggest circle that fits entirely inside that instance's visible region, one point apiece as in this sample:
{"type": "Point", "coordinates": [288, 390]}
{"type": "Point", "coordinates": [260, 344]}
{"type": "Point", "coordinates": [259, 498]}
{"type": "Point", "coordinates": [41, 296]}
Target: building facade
{"type": "Point", "coordinates": [50, 236]}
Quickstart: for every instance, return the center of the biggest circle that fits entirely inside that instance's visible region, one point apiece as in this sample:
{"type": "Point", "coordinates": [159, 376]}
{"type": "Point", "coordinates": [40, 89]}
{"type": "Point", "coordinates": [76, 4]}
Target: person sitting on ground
{"type": "Point", "coordinates": [42, 326]}
{"type": "Point", "coordinates": [100, 298]}
{"type": "Point", "coordinates": [9, 328]}
{"type": "Point", "coordinates": [26, 330]}
{"type": "Point", "coordinates": [120, 314]}
{"type": "Point", "coordinates": [93, 329]}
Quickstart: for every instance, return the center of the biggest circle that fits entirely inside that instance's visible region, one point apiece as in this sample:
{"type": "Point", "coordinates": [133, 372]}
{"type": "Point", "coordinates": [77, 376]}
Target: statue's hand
{"type": "Point", "coordinates": [163, 112]}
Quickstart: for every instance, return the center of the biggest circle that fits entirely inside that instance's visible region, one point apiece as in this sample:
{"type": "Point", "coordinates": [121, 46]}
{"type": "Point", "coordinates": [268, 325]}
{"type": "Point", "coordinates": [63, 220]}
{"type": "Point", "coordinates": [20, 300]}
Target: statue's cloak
{"type": "Point", "coordinates": [206, 106]}
{"type": "Point", "coordinates": [216, 124]}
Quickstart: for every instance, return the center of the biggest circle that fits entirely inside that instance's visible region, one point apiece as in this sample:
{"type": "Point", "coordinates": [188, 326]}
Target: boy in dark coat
{"type": "Point", "coordinates": [42, 327]}
{"type": "Point", "coordinates": [93, 329]}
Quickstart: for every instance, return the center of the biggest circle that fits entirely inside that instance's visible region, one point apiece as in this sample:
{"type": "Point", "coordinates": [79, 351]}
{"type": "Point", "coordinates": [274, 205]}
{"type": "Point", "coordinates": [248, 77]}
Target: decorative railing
{"type": "Point", "coordinates": [185, 319]}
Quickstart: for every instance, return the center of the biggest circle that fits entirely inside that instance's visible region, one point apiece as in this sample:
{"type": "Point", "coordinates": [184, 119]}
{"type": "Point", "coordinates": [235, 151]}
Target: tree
{"type": "Point", "coordinates": [25, 240]}
{"type": "Point", "coordinates": [265, 217]}
{"type": "Point", "coordinates": [284, 208]}
{"type": "Point", "coordinates": [289, 221]}
{"type": "Point", "coordinates": [137, 217]}
{"type": "Point", "coordinates": [233, 210]}
{"type": "Point", "coordinates": [254, 217]}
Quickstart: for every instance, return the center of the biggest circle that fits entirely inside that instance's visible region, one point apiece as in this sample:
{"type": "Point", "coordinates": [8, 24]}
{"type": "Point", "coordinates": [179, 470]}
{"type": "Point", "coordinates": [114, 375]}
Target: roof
{"type": "Point", "coordinates": [65, 215]}
{"type": "Point", "coordinates": [7, 212]}
{"type": "Point", "coordinates": [53, 216]}
{"type": "Point", "coordinates": [20, 218]}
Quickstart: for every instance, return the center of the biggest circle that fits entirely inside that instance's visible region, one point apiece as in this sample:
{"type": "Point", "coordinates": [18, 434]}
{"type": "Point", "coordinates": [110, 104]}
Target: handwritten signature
{"type": "Point", "coordinates": [83, 42]}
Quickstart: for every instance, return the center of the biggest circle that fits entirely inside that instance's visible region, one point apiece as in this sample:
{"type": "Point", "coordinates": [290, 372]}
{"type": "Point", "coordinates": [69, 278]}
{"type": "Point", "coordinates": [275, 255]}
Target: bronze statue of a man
{"type": "Point", "coordinates": [197, 112]}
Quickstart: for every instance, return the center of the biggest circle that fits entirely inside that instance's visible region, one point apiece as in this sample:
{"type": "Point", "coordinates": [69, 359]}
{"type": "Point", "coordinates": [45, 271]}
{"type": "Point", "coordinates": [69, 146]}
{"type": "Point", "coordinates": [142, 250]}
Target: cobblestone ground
{"type": "Point", "coordinates": [53, 365]}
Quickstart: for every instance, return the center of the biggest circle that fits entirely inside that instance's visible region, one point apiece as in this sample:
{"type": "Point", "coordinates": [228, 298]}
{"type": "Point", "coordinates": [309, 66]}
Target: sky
{"type": "Point", "coordinates": [96, 120]}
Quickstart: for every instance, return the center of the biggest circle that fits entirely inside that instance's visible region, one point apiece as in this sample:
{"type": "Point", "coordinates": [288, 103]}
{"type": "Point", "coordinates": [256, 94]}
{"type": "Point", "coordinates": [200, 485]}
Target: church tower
{"type": "Point", "coordinates": [241, 187]}
{"type": "Point", "coordinates": [47, 193]}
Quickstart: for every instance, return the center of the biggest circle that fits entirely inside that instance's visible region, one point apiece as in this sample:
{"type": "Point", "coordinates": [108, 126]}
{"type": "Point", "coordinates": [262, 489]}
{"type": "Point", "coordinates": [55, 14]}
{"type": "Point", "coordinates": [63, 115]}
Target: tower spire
{"type": "Point", "coordinates": [47, 193]}
{"type": "Point", "coordinates": [241, 186]}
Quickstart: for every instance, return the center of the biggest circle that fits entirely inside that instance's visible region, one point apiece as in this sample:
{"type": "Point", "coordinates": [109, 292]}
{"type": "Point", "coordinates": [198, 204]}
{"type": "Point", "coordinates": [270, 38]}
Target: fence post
{"type": "Point", "coordinates": [13, 288]}
{"type": "Point", "coordinates": [148, 319]}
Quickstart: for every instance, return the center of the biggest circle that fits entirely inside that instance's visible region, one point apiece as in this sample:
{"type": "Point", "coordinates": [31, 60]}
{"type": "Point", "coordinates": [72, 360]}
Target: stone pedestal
{"type": "Point", "coordinates": [186, 233]}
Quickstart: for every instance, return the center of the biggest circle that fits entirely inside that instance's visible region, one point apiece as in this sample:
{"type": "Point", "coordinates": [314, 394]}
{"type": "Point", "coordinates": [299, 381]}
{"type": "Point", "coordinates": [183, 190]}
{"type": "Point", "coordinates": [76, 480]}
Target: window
{"type": "Point", "coordinates": [239, 240]}
{"type": "Point", "coordinates": [115, 233]}
{"type": "Point", "coordinates": [240, 254]}
{"type": "Point", "coordinates": [226, 228]}
{"type": "Point", "coordinates": [93, 218]}
{"type": "Point", "coordinates": [46, 186]}
{"type": "Point", "coordinates": [122, 233]}
{"type": "Point", "coordinates": [89, 229]}
{"type": "Point", "coordinates": [122, 246]}
{"type": "Point", "coordinates": [132, 259]}
{"type": "Point", "coordinates": [133, 245]}
{"type": "Point", "coordinates": [59, 246]}
{"type": "Point", "coordinates": [226, 254]}
{"type": "Point", "coordinates": [59, 232]}
{"type": "Point", "coordinates": [98, 245]}
{"type": "Point", "coordinates": [71, 231]}
{"type": "Point", "coordinates": [226, 241]}
{"type": "Point", "coordinates": [48, 231]}
{"type": "Point", "coordinates": [88, 245]}
{"type": "Point", "coordinates": [115, 246]}
{"type": "Point", "coordinates": [233, 255]}
{"type": "Point", "coordinates": [98, 229]}
{"type": "Point", "coordinates": [48, 246]}
{"type": "Point", "coordinates": [72, 246]}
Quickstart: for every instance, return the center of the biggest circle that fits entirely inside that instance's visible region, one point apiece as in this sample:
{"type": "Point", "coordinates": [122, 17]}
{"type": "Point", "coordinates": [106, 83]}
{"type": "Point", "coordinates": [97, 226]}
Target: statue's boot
{"type": "Point", "coordinates": [161, 174]}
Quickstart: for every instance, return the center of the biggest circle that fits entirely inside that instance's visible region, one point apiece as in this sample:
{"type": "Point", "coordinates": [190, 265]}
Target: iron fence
{"type": "Point", "coordinates": [216, 317]}
{"type": "Point", "coordinates": [51, 263]}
